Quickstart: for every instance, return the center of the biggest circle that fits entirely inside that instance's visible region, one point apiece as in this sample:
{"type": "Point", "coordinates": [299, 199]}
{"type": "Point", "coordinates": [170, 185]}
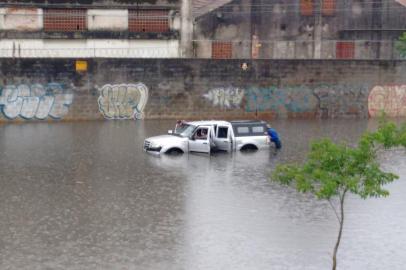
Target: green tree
{"type": "Point", "coordinates": [334, 170]}
{"type": "Point", "coordinates": [401, 45]}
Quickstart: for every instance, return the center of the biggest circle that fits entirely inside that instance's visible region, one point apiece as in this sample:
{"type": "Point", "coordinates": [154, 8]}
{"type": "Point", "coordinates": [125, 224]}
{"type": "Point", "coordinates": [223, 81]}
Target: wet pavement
{"type": "Point", "coordinates": [85, 196]}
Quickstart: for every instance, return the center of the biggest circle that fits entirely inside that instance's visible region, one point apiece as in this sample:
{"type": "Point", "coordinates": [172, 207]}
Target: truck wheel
{"type": "Point", "coordinates": [249, 148]}
{"type": "Point", "coordinates": [174, 151]}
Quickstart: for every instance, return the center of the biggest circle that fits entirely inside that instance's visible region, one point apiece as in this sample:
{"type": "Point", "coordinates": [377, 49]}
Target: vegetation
{"type": "Point", "coordinates": [401, 45]}
{"type": "Point", "coordinates": [335, 170]}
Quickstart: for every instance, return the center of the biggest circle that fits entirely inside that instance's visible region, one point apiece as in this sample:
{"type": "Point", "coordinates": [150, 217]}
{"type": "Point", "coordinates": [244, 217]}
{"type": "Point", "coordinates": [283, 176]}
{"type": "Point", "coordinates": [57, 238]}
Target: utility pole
{"type": "Point", "coordinates": [318, 29]}
{"type": "Point", "coordinates": [377, 11]}
{"type": "Point", "coordinates": [186, 32]}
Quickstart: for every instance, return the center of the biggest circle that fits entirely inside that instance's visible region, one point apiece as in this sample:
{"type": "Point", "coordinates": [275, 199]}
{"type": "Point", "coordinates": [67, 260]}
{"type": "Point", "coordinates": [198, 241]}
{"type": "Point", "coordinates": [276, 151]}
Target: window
{"type": "Point", "coordinates": [150, 21]}
{"type": "Point", "coordinates": [221, 50]}
{"type": "Point", "coordinates": [68, 20]}
{"type": "Point", "coordinates": [201, 134]}
{"type": "Point", "coordinates": [345, 50]}
{"type": "Point", "coordinates": [222, 132]}
{"type": "Point", "coordinates": [242, 130]}
{"type": "Point", "coordinates": [306, 7]}
{"type": "Point", "coordinates": [185, 130]}
{"type": "Point", "coordinates": [258, 130]}
{"type": "Point", "coordinates": [328, 7]}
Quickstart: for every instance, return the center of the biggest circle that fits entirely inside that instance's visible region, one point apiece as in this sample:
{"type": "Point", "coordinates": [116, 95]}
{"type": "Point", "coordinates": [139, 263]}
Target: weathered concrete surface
{"type": "Point", "coordinates": [52, 89]}
{"type": "Point", "coordinates": [287, 29]}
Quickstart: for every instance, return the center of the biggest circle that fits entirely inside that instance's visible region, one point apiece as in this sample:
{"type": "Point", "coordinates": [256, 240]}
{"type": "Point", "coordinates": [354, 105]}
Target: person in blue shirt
{"type": "Point", "coordinates": [273, 135]}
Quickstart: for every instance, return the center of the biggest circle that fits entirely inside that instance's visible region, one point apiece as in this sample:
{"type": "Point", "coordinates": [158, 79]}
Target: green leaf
{"type": "Point", "coordinates": [401, 45]}
{"type": "Point", "coordinates": [331, 168]}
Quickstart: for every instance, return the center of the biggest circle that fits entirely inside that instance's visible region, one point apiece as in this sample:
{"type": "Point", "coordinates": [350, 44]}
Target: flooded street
{"type": "Point", "coordinates": [85, 196]}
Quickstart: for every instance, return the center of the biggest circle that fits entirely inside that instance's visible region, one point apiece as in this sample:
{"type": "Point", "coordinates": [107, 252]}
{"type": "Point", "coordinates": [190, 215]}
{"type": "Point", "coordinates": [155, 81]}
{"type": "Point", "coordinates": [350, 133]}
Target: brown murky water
{"type": "Point", "coordinates": [85, 196]}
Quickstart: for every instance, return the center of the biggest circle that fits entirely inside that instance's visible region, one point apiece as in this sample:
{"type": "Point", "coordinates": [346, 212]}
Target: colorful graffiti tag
{"type": "Point", "coordinates": [289, 99]}
{"type": "Point", "coordinates": [35, 101]}
{"type": "Point", "coordinates": [123, 101]}
{"type": "Point", "coordinates": [388, 99]}
{"type": "Point", "coordinates": [225, 97]}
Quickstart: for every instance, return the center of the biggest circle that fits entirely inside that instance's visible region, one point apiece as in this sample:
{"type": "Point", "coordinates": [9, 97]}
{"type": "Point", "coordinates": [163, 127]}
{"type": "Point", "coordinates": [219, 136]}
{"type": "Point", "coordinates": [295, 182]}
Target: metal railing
{"type": "Point", "coordinates": [89, 53]}
{"type": "Point", "coordinates": [256, 49]}
{"type": "Point", "coordinates": [300, 49]}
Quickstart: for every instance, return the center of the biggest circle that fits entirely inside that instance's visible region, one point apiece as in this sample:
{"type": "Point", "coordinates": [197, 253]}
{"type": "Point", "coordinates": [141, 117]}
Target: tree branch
{"type": "Point", "coordinates": [334, 209]}
{"type": "Point", "coordinates": [342, 197]}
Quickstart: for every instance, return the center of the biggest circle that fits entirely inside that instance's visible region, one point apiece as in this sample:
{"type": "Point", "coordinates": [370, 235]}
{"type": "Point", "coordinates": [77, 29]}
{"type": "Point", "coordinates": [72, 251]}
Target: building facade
{"type": "Point", "coordinates": [86, 60]}
{"type": "Point", "coordinates": [300, 29]}
{"type": "Point", "coordinates": [240, 29]}
{"type": "Point", "coordinates": [87, 28]}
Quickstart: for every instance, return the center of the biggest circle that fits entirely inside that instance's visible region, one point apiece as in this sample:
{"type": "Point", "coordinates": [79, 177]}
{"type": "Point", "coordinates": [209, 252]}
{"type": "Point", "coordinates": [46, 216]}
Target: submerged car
{"type": "Point", "coordinates": [208, 136]}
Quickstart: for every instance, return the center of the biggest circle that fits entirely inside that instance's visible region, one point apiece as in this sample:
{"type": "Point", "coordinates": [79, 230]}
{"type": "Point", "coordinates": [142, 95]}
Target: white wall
{"type": "Point", "coordinates": [31, 19]}
{"type": "Point", "coordinates": [101, 48]}
{"type": "Point", "coordinates": [102, 19]}
{"type": "Point", "coordinates": [175, 20]}
{"type": "Point", "coordinates": [21, 19]}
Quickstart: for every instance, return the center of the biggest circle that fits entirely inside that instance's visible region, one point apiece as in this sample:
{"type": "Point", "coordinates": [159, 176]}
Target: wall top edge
{"type": "Point", "coordinates": [86, 6]}
{"type": "Point", "coordinates": [248, 61]}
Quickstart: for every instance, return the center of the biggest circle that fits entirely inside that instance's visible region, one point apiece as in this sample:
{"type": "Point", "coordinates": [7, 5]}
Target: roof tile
{"type": "Point", "coordinates": [201, 7]}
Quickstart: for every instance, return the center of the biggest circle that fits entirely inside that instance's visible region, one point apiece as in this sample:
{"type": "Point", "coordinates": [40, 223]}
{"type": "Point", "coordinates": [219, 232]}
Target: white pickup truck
{"type": "Point", "coordinates": [206, 136]}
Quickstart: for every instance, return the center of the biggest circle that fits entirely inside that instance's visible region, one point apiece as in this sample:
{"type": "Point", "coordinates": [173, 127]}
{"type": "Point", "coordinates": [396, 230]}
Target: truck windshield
{"type": "Point", "coordinates": [185, 130]}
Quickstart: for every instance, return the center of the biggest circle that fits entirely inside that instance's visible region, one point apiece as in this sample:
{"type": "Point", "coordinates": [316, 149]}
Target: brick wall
{"type": "Point", "coordinates": [69, 20]}
{"type": "Point", "coordinates": [52, 90]}
{"type": "Point", "coordinates": [153, 21]}
{"type": "Point", "coordinates": [221, 50]}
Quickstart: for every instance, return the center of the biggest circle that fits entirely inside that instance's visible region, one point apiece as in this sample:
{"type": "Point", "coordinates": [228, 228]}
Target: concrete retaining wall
{"type": "Point", "coordinates": [52, 89]}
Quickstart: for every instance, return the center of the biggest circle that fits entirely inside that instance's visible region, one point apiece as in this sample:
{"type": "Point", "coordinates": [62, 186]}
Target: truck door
{"type": "Point", "coordinates": [200, 140]}
{"type": "Point", "coordinates": [223, 138]}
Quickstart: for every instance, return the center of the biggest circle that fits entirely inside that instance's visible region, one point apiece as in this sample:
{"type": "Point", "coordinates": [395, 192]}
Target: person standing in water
{"type": "Point", "coordinates": [273, 135]}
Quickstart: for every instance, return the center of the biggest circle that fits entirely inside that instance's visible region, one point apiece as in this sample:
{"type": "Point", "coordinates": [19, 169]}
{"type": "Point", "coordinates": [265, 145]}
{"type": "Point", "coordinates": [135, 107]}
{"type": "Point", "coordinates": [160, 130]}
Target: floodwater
{"type": "Point", "coordinates": [85, 196]}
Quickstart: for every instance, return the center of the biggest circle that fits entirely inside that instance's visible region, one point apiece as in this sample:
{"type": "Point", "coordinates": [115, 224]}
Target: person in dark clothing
{"type": "Point", "coordinates": [273, 135]}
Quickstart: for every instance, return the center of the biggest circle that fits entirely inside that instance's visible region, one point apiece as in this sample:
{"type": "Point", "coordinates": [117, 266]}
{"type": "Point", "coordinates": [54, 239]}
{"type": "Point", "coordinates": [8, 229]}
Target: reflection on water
{"type": "Point", "coordinates": [85, 196]}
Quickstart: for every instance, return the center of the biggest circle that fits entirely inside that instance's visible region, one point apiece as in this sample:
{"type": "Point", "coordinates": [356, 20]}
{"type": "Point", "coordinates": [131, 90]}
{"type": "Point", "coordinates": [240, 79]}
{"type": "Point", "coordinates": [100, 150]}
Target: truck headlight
{"type": "Point", "coordinates": [155, 147]}
{"type": "Point", "coordinates": [153, 144]}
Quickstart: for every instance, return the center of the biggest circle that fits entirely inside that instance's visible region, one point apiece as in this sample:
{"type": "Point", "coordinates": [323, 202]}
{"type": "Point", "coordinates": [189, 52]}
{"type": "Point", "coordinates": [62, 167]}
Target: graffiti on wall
{"type": "Point", "coordinates": [35, 101]}
{"type": "Point", "coordinates": [229, 97]}
{"type": "Point", "coordinates": [323, 100]}
{"type": "Point", "coordinates": [390, 99]}
{"type": "Point", "coordinates": [123, 101]}
{"type": "Point", "coordinates": [338, 100]}
{"type": "Point", "coordinates": [289, 99]}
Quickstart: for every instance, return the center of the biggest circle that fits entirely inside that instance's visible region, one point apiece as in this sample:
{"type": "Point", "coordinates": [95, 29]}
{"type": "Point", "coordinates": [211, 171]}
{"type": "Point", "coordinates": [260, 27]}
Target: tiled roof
{"type": "Point", "coordinates": [201, 7]}
{"type": "Point", "coordinates": [402, 2]}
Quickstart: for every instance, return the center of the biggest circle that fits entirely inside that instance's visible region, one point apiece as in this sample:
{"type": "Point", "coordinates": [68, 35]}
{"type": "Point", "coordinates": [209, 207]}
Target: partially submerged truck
{"type": "Point", "coordinates": [208, 136]}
